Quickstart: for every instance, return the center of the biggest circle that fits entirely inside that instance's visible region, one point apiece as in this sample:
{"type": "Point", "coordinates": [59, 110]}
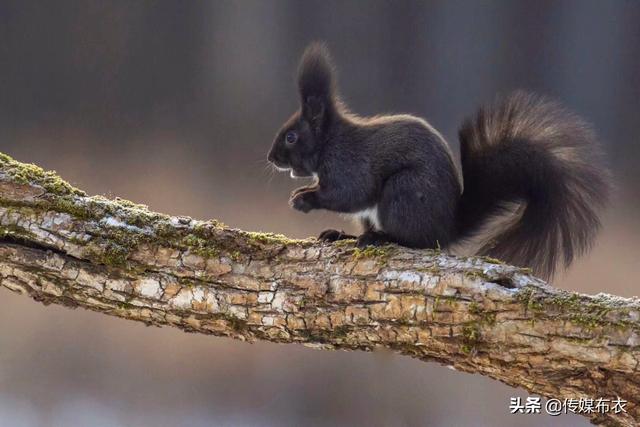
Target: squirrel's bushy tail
{"type": "Point", "coordinates": [529, 151]}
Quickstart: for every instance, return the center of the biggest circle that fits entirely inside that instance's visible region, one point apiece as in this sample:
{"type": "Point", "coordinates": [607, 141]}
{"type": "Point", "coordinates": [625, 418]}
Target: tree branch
{"type": "Point", "coordinates": [475, 314]}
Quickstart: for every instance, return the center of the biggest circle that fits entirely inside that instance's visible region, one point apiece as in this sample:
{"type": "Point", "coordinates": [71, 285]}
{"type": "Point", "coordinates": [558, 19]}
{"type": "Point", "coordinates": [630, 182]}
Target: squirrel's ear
{"type": "Point", "coordinates": [313, 109]}
{"type": "Point", "coordinates": [316, 82]}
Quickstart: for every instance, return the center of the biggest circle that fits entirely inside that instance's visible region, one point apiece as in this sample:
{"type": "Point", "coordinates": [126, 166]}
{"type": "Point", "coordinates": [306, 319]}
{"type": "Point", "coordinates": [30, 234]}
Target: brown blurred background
{"type": "Point", "coordinates": [174, 104]}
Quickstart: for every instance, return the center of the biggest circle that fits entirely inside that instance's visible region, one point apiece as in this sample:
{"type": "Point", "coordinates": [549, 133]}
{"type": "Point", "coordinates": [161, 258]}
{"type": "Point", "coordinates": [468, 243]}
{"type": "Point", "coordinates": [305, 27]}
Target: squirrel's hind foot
{"type": "Point", "coordinates": [334, 235]}
{"type": "Point", "coordinates": [372, 238]}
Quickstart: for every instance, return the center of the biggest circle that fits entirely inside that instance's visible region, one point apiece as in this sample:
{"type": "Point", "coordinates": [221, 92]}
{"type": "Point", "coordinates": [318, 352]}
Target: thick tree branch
{"type": "Point", "coordinates": [477, 315]}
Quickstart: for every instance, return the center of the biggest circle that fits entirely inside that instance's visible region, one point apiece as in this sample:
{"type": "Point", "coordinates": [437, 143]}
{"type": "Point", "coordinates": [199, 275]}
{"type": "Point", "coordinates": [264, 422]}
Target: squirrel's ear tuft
{"type": "Point", "coordinates": [316, 75]}
{"type": "Point", "coordinates": [316, 83]}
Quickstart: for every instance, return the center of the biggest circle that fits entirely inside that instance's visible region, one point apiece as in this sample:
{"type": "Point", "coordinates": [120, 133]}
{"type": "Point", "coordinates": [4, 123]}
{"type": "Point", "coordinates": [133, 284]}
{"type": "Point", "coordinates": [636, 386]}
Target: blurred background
{"type": "Point", "coordinates": [174, 104]}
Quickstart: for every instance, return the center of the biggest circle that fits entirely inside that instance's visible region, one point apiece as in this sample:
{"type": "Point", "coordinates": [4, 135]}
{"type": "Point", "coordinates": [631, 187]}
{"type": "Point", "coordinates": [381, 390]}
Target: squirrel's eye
{"type": "Point", "coordinates": [291, 137]}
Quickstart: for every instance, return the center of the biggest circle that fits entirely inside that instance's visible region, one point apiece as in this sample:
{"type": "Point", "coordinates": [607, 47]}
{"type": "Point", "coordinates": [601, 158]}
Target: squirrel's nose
{"type": "Point", "coordinates": [274, 159]}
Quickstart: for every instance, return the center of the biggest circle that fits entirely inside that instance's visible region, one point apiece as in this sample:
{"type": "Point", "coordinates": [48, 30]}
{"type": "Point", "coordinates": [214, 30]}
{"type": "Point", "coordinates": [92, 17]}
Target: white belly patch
{"type": "Point", "coordinates": [370, 214]}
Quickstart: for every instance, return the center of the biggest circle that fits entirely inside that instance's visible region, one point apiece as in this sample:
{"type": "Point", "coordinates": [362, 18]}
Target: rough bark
{"type": "Point", "coordinates": [474, 314]}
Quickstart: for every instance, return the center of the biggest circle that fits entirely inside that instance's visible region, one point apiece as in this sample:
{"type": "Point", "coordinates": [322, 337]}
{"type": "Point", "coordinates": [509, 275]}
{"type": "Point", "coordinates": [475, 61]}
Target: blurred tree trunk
{"type": "Point", "coordinates": [474, 314]}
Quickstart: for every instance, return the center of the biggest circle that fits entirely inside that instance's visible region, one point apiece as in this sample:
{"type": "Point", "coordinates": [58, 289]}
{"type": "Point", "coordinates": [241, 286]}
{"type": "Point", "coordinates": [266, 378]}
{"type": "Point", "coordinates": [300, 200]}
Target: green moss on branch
{"type": "Point", "coordinates": [25, 173]}
{"type": "Point", "coordinates": [582, 310]}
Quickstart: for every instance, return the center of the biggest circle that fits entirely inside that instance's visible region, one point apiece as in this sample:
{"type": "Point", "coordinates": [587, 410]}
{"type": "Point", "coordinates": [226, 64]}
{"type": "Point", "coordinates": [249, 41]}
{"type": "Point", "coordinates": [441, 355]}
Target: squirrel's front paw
{"type": "Point", "coordinates": [303, 190]}
{"type": "Point", "coordinates": [302, 202]}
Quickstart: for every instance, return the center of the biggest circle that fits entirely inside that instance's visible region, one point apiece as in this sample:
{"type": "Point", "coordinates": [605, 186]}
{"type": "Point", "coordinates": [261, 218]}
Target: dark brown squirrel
{"type": "Point", "coordinates": [397, 174]}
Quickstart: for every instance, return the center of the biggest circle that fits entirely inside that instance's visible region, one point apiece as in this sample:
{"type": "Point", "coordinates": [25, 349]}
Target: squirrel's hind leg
{"type": "Point", "coordinates": [413, 216]}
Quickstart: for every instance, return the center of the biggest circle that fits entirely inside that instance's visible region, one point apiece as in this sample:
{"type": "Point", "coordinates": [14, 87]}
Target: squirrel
{"type": "Point", "coordinates": [523, 156]}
